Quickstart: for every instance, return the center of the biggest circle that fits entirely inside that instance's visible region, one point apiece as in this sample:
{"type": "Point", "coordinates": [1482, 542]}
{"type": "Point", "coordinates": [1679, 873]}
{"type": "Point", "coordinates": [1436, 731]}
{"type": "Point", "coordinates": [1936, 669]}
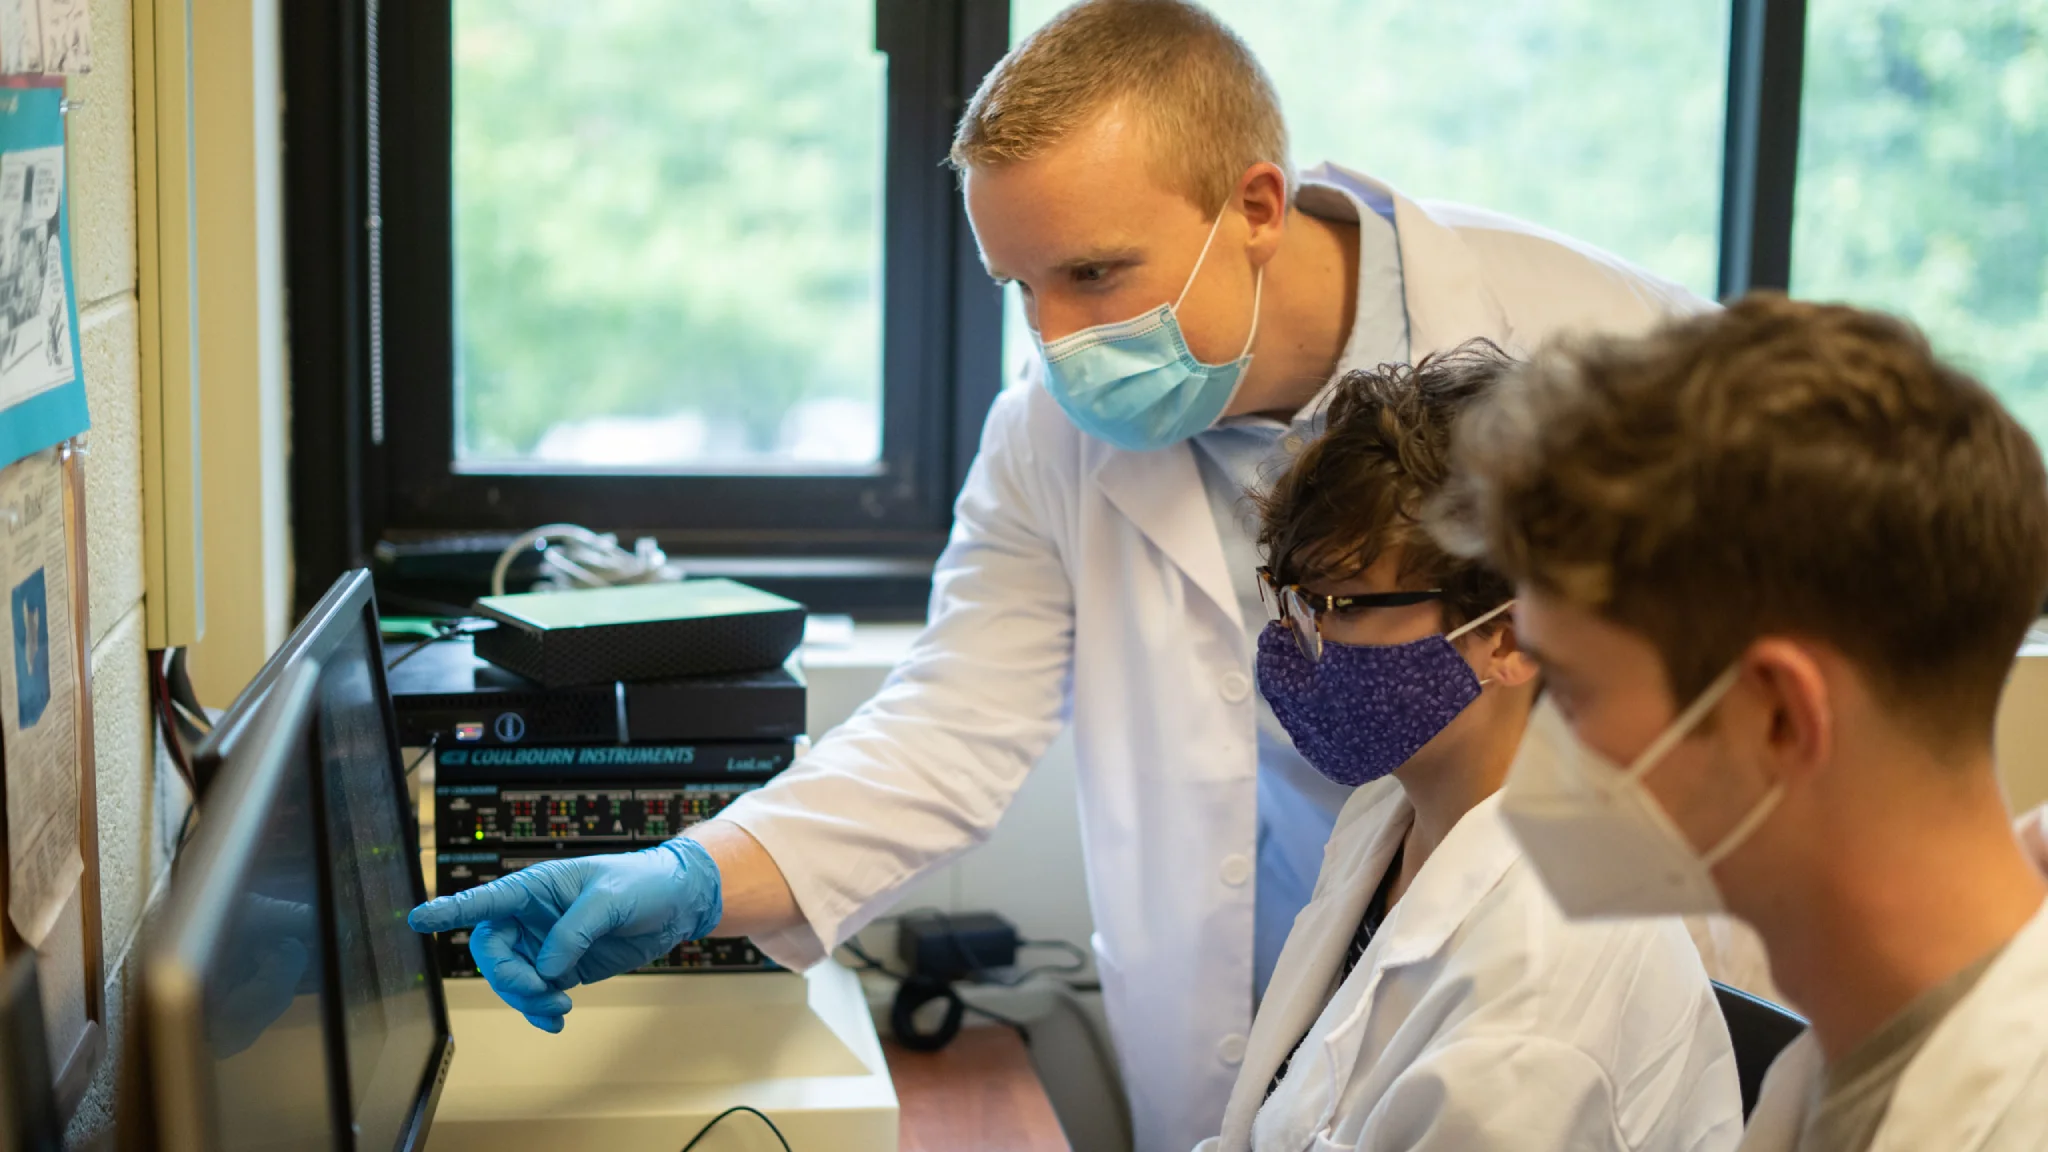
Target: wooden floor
{"type": "Point", "coordinates": [977, 1094]}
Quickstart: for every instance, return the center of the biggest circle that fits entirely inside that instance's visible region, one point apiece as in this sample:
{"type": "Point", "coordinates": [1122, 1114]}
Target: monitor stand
{"type": "Point", "coordinates": [647, 1060]}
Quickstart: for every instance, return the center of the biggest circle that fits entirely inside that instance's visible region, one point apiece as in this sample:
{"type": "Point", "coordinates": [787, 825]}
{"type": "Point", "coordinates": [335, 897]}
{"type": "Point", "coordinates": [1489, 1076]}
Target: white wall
{"type": "Point", "coordinates": [1030, 871]}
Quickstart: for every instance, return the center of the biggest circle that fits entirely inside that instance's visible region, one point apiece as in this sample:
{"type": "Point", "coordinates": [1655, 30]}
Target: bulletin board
{"type": "Point", "coordinates": [49, 822]}
{"type": "Point", "coordinates": [49, 840]}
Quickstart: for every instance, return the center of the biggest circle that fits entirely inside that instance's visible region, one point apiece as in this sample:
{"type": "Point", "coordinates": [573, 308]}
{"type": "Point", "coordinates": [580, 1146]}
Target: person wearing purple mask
{"type": "Point", "coordinates": [1431, 995]}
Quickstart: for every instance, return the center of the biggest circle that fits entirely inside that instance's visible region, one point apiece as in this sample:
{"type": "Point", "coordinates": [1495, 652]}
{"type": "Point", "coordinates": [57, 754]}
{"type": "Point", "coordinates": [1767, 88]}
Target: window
{"type": "Point", "coordinates": [1596, 118]}
{"type": "Point", "coordinates": [697, 270]}
{"type": "Point", "coordinates": [694, 271]}
{"type": "Point", "coordinates": [654, 275]}
{"type": "Point", "coordinates": [1923, 178]}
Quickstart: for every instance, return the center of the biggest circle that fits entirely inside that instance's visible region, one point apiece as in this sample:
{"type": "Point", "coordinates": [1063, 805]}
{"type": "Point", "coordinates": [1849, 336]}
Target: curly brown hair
{"type": "Point", "coordinates": [1778, 468]}
{"type": "Point", "coordinates": [1356, 493]}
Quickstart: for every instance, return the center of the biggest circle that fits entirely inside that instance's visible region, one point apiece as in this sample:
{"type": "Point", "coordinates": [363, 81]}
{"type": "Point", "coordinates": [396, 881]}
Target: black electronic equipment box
{"type": "Point", "coordinates": [448, 696]}
{"type": "Point", "coordinates": [640, 631]}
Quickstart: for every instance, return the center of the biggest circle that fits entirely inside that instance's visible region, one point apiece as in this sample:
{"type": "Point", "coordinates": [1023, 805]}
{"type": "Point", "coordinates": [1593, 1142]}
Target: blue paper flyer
{"type": "Point", "coordinates": [42, 391]}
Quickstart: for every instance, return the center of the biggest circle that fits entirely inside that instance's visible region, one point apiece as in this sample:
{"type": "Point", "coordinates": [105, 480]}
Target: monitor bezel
{"type": "Point", "coordinates": [349, 603]}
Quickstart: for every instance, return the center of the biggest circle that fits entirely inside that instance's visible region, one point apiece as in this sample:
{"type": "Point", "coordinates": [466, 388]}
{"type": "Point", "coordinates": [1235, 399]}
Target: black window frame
{"type": "Point", "coordinates": [370, 268]}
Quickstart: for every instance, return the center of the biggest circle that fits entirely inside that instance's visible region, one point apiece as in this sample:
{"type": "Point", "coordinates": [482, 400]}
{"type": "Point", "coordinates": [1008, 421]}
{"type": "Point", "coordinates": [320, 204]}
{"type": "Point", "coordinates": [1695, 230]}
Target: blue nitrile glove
{"type": "Point", "coordinates": [551, 926]}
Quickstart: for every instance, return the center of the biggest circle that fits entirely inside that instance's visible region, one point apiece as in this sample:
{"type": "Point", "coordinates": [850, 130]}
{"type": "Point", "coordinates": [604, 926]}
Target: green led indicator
{"type": "Point", "coordinates": [479, 833]}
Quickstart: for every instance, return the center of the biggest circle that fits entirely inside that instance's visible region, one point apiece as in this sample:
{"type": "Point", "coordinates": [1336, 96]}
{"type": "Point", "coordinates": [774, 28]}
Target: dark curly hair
{"type": "Point", "coordinates": [1356, 492]}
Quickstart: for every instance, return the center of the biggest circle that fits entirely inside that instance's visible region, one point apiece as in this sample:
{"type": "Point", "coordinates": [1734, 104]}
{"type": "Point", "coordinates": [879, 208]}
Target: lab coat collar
{"type": "Point", "coordinates": [1449, 298]}
{"type": "Point", "coordinates": [1161, 494]}
{"type": "Point", "coordinates": [1462, 870]}
{"type": "Point", "coordinates": [1980, 1058]}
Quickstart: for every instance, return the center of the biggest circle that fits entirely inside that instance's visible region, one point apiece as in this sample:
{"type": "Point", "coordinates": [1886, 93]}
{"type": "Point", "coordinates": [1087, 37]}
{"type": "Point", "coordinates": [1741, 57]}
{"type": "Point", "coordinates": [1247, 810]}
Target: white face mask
{"type": "Point", "coordinates": [1599, 840]}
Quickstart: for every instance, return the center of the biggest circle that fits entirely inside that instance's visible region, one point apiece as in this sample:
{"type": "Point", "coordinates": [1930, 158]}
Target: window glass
{"type": "Point", "coordinates": [1601, 119]}
{"type": "Point", "coordinates": [668, 235]}
{"type": "Point", "coordinates": [1923, 178]}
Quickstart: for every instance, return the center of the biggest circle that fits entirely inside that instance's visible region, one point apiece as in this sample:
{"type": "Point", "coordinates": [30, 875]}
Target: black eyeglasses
{"type": "Point", "coordinates": [1303, 611]}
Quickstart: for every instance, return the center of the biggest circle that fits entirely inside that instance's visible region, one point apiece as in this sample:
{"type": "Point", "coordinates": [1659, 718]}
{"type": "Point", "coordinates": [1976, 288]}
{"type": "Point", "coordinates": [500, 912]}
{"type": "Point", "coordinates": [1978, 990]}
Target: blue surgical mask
{"type": "Point", "coordinates": [1363, 710]}
{"type": "Point", "coordinates": [1134, 383]}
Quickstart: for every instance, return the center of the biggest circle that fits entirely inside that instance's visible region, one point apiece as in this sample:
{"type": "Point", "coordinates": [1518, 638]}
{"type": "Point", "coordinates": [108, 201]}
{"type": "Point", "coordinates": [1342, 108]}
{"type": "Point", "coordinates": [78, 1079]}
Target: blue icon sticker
{"type": "Point", "coordinates": [511, 727]}
{"type": "Point", "coordinates": [31, 650]}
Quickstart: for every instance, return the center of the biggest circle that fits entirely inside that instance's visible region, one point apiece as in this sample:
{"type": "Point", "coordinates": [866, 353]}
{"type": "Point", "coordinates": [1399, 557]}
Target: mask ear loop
{"type": "Point", "coordinates": [1197, 269]}
{"type": "Point", "coordinates": [1476, 621]}
{"type": "Point", "coordinates": [1686, 722]}
{"type": "Point", "coordinates": [1749, 824]}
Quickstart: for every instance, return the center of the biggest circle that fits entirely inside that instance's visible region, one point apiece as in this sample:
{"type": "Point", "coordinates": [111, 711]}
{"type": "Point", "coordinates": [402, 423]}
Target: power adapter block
{"type": "Point", "coordinates": [948, 947]}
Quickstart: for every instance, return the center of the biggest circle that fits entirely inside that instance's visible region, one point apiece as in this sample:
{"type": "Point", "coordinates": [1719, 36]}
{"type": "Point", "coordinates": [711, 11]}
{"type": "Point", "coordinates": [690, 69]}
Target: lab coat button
{"type": "Point", "coordinates": [1291, 442]}
{"type": "Point", "coordinates": [1236, 870]}
{"type": "Point", "coordinates": [1230, 1049]}
{"type": "Point", "coordinates": [1236, 687]}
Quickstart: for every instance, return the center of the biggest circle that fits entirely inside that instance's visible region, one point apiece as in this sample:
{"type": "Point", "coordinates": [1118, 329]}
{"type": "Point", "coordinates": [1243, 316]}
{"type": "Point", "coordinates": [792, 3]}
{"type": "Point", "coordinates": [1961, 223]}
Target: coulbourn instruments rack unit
{"type": "Point", "coordinates": [525, 774]}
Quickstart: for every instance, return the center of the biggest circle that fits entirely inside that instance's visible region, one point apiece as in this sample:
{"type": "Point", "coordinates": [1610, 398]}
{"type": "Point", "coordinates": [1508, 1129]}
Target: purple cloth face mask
{"type": "Point", "coordinates": [1362, 710]}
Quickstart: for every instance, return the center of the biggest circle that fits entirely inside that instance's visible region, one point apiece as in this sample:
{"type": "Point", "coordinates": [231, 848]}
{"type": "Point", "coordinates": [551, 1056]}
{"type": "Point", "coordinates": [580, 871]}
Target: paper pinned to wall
{"type": "Point", "coordinates": [42, 391]}
{"type": "Point", "coordinates": [38, 696]}
{"type": "Point", "coordinates": [45, 36]}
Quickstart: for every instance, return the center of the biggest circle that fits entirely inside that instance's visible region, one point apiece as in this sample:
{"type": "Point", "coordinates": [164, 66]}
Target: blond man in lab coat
{"type": "Point", "coordinates": [1431, 995]}
{"type": "Point", "coordinates": [1127, 167]}
{"type": "Point", "coordinates": [1777, 562]}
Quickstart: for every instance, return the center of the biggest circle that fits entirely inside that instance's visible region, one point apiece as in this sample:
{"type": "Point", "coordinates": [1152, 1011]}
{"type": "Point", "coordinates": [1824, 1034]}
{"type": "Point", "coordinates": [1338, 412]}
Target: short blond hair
{"type": "Point", "coordinates": [1198, 92]}
{"type": "Point", "coordinates": [1778, 468]}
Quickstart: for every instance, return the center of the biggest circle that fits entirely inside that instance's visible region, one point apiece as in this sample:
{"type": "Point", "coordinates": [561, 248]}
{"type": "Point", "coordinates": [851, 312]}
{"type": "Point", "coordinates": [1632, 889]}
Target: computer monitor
{"type": "Point", "coordinates": [28, 1104]}
{"type": "Point", "coordinates": [392, 1020]}
{"type": "Point", "coordinates": [237, 996]}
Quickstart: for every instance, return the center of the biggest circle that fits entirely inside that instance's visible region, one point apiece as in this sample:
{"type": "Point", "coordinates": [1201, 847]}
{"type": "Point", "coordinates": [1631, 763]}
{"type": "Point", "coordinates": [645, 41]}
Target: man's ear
{"type": "Point", "coordinates": [1262, 195]}
{"type": "Point", "coordinates": [1786, 690]}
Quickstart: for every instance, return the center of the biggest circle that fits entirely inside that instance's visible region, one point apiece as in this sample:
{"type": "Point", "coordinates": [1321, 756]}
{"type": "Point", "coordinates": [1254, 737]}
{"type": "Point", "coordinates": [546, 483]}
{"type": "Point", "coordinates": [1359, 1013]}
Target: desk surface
{"type": "Point", "coordinates": [977, 1094]}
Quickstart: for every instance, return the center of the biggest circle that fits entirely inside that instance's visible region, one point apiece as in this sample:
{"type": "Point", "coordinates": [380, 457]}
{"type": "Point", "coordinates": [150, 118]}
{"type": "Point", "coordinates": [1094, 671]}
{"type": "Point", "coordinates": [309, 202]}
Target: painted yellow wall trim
{"type": "Point", "coordinates": [173, 598]}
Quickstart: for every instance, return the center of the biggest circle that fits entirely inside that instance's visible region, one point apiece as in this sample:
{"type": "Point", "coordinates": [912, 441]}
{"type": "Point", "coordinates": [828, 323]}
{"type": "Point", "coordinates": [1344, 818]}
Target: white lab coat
{"type": "Point", "coordinates": [1088, 582]}
{"type": "Point", "coordinates": [1980, 1084]}
{"type": "Point", "coordinates": [1479, 1018]}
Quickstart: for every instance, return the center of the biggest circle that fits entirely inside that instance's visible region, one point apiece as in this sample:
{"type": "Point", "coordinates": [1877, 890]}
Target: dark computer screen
{"type": "Point", "coordinates": [390, 1015]}
{"type": "Point", "coordinates": [388, 1018]}
{"type": "Point", "coordinates": [239, 1002]}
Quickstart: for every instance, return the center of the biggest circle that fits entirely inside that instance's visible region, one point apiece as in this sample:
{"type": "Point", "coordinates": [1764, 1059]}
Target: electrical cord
{"type": "Point", "coordinates": [756, 1112]}
{"type": "Point", "coordinates": [573, 556]}
{"type": "Point", "coordinates": [182, 723]}
{"type": "Point", "coordinates": [443, 630]}
{"type": "Point", "coordinates": [172, 725]}
{"type": "Point", "coordinates": [1078, 965]}
{"type": "Point", "coordinates": [432, 742]}
{"type": "Point", "coordinates": [913, 992]}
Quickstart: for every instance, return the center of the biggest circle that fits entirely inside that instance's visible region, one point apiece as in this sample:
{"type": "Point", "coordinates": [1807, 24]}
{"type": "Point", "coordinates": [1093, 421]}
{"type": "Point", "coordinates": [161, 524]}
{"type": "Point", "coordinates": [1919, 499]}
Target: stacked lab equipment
{"type": "Point", "coordinates": [523, 773]}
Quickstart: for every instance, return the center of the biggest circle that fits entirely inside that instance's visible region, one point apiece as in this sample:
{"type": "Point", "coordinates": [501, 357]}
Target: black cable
{"type": "Point", "coordinates": [1069, 947]}
{"type": "Point", "coordinates": [706, 1129]}
{"type": "Point", "coordinates": [185, 827]}
{"type": "Point", "coordinates": [432, 742]}
{"type": "Point", "coordinates": [914, 992]}
{"type": "Point", "coordinates": [192, 719]}
{"type": "Point", "coordinates": [927, 990]}
{"type": "Point", "coordinates": [443, 630]}
{"type": "Point", "coordinates": [160, 695]}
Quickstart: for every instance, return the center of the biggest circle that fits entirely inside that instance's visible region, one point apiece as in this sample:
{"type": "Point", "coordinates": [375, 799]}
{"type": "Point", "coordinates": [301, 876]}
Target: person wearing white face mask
{"type": "Point", "coordinates": [1775, 564]}
{"type": "Point", "coordinates": [1431, 996]}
